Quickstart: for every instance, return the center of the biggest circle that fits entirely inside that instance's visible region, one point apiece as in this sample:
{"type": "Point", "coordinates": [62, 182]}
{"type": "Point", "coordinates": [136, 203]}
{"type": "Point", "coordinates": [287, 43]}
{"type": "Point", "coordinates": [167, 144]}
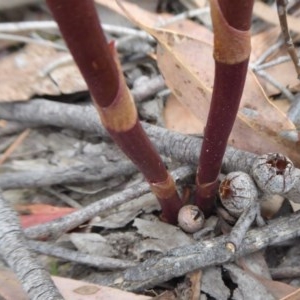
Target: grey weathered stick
{"type": "Point", "coordinates": [281, 9]}
{"type": "Point", "coordinates": [149, 88]}
{"type": "Point", "coordinates": [14, 249]}
{"type": "Point", "coordinates": [183, 260]}
{"type": "Point", "coordinates": [242, 225]}
{"type": "Point", "coordinates": [103, 263]}
{"type": "Point", "coordinates": [14, 127]}
{"type": "Point", "coordinates": [285, 272]}
{"type": "Point", "coordinates": [57, 227]}
{"type": "Point", "coordinates": [181, 147]}
{"type": "Point", "coordinates": [85, 171]}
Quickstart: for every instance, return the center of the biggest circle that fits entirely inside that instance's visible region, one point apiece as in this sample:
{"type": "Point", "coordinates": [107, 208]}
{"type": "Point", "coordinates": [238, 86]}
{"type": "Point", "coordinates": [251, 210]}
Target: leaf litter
{"type": "Point", "coordinates": [22, 75]}
{"type": "Point", "coordinates": [187, 65]}
{"type": "Point", "coordinates": [143, 234]}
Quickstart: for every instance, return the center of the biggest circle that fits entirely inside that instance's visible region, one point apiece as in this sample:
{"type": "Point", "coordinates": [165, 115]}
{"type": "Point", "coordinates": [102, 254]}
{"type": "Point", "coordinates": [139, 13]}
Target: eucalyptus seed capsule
{"type": "Point", "coordinates": [274, 173]}
{"type": "Point", "coordinates": [190, 218]}
{"type": "Point", "coordinates": [237, 191]}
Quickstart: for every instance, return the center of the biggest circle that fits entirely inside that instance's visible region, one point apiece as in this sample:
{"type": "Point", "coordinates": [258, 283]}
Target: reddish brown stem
{"type": "Point", "coordinates": [99, 65]}
{"type": "Point", "coordinates": [231, 21]}
{"type": "Point", "coordinates": [79, 24]}
{"type": "Point", "coordinates": [236, 12]}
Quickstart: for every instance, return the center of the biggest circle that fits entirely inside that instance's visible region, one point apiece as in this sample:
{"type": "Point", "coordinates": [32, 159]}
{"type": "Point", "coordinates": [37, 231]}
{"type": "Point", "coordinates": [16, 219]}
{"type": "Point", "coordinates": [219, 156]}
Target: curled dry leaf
{"type": "Point", "coordinates": [187, 65]}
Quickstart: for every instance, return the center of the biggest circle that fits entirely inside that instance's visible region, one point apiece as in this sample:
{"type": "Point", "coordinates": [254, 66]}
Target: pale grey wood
{"type": "Point", "coordinates": [86, 171]}
{"type": "Point", "coordinates": [102, 263]}
{"type": "Point", "coordinates": [55, 228]}
{"type": "Point", "coordinates": [184, 148]}
{"type": "Point", "coordinates": [183, 260]}
{"type": "Point", "coordinates": [14, 249]}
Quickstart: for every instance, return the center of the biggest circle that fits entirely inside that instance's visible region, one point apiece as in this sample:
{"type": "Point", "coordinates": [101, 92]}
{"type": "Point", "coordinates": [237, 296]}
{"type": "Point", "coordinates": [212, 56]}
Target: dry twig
{"type": "Point", "coordinates": [102, 263]}
{"type": "Point", "coordinates": [281, 9]}
{"type": "Point", "coordinates": [56, 228]}
{"type": "Point", "coordinates": [14, 249]}
{"type": "Point", "coordinates": [183, 260]}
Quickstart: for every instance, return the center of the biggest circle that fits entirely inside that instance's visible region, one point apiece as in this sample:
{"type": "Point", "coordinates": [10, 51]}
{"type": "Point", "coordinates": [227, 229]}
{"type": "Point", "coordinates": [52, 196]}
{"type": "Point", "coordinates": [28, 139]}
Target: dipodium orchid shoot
{"type": "Point", "coordinates": [231, 23]}
{"type": "Point", "coordinates": [98, 62]}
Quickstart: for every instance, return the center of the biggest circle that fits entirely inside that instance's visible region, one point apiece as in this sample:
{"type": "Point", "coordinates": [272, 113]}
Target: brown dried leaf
{"type": "Point", "coordinates": [79, 290]}
{"type": "Point", "coordinates": [293, 296]}
{"type": "Point", "coordinates": [178, 118]}
{"type": "Point", "coordinates": [187, 65]}
{"type": "Point", "coordinates": [10, 288]}
{"type": "Point", "coordinates": [21, 78]}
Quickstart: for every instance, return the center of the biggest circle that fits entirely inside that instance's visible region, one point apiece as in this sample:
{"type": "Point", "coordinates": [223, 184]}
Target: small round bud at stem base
{"type": "Point", "coordinates": [190, 218]}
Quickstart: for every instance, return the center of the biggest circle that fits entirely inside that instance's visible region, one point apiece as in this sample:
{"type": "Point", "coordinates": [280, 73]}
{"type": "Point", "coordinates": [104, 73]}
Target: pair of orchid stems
{"type": "Point", "coordinates": [98, 62]}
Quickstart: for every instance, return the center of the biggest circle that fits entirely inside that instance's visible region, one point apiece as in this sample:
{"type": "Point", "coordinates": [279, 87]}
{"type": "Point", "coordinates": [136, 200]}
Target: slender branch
{"type": "Point", "coordinates": [12, 27]}
{"type": "Point", "coordinates": [56, 228]}
{"type": "Point", "coordinates": [281, 9]}
{"type": "Point", "coordinates": [277, 61]}
{"type": "Point", "coordinates": [183, 148]}
{"type": "Point", "coordinates": [17, 142]}
{"type": "Point", "coordinates": [183, 260]}
{"type": "Point", "coordinates": [63, 197]}
{"type": "Point", "coordinates": [15, 251]}
{"type": "Point", "coordinates": [268, 52]}
{"type": "Point", "coordinates": [242, 225]}
{"type": "Point", "coordinates": [24, 39]}
{"type": "Point", "coordinates": [76, 172]}
{"type": "Point", "coordinates": [103, 263]}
